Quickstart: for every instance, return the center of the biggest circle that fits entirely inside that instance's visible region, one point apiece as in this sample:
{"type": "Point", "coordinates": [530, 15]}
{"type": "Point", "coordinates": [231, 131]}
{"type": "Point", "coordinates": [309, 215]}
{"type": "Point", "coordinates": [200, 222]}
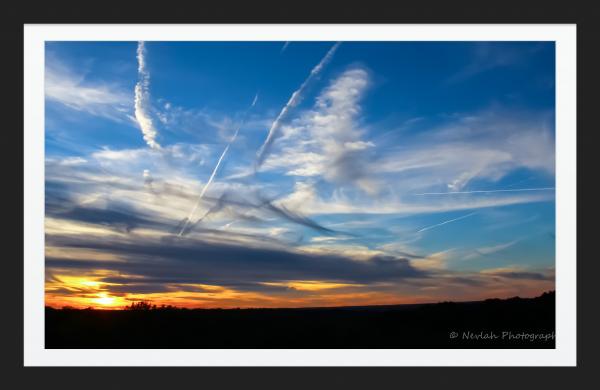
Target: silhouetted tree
{"type": "Point", "coordinates": [142, 305]}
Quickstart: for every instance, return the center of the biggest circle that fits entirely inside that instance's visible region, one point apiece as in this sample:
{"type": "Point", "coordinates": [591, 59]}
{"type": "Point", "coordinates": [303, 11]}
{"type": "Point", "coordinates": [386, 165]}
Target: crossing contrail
{"type": "Point", "coordinates": [216, 169]}
{"type": "Point", "coordinates": [292, 102]}
{"type": "Point", "coordinates": [488, 191]}
{"type": "Point", "coordinates": [445, 222]}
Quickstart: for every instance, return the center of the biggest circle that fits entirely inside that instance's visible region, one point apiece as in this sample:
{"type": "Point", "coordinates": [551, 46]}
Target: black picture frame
{"type": "Point", "coordinates": [583, 14]}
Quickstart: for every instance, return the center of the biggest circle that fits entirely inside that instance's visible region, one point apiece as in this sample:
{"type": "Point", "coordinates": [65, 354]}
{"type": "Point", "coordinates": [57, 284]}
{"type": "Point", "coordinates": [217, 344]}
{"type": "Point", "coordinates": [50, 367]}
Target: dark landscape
{"type": "Point", "coordinates": [493, 323]}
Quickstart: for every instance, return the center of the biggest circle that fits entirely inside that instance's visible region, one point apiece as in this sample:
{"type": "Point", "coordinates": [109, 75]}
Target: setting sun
{"type": "Point", "coordinates": [104, 300]}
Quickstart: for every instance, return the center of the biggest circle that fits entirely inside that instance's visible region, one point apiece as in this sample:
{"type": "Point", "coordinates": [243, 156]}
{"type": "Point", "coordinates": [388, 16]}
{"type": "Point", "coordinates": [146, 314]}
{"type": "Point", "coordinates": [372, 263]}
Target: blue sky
{"type": "Point", "coordinates": [374, 172]}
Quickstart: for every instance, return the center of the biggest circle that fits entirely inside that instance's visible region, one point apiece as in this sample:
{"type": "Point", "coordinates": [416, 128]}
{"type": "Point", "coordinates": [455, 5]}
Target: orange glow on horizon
{"type": "Point", "coordinates": [91, 291]}
{"type": "Point", "coordinates": [106, 300]}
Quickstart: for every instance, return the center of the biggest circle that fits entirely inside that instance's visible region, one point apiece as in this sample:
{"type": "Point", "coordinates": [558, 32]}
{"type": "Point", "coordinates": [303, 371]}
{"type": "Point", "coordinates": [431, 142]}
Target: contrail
{"type": "Point", "coordinates": [292, 102]}
{"type": "Point", "coordinates": [445, 222]}
{"type": "Point", "coordinates": [214, 172]}
{"type": "Point", "coordinates": [283, 212]}
{"type": "Point", "coordinates": [488, 191]}
{"type": "Point", "coordinates": [285, 45]}
{"type": "Point", "coordinates": [496, 248]}
{"type": "Point", "coordinates": [142, 98]}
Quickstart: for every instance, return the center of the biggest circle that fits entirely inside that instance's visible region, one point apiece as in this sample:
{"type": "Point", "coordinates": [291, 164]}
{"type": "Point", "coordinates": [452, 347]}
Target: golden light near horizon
{"type": "Point", "coordinates": [91, 290]}
{"type": "Point", "coordinates": [86, 290]}
{"type": "Point", "coordinates": [89, 283]}
{"type": "Point", "coordinates": [104, 299]}
{"type": "Point", "coordinates": [78, 281]}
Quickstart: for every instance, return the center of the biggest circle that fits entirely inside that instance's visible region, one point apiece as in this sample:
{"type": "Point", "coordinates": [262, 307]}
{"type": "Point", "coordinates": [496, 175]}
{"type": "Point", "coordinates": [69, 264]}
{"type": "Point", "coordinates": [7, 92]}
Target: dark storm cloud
{"type": "Point", "coordinates": [59, 203]}
{"type": "Point", "coordinates": [193, 261]}
{"type": "Point", "coordinates": [116, 217]}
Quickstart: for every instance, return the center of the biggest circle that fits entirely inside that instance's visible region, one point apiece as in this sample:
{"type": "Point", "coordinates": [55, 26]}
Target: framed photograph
{"type": "Point", "coordinates": [369, 192]}
{"type": "Point", "coordinates": [326, 192]}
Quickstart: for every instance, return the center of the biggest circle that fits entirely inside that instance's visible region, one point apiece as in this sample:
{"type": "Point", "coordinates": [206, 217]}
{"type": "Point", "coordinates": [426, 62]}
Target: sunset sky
{"type": "Point", "coordinates": [289, 174]}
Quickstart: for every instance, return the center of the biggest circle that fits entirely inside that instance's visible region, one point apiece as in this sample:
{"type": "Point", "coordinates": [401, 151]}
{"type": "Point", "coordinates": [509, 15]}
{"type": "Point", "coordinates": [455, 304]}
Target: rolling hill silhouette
{"type": "Point", "coordinates": [493, 323]}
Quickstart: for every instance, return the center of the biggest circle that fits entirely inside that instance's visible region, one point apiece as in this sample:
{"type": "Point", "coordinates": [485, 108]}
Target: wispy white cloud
{"type": "Point", "coordinates": [435, 261]}
{"type": "Point", "coordinates": [70, 88]}
{"type": "Point", "coordinates": [305, 197]}
{"type": "Point", "coordinates": [71, 161]}
{"type": "Point", "coordinates": [488, 250]}
{"type": "Point", "coordinates": [142, 100]}
{"type": "Point", "coordinates": [326, 141]}
{"type": "Point", "coordinates": [485, 146]}
{"type": "Point", "coordinates": [294, 100]}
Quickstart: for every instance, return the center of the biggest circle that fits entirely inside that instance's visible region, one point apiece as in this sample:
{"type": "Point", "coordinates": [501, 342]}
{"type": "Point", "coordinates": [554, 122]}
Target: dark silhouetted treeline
{"type": "Point", "coordinates": [493, 323]}
{"type": "Point", "coordinates": [142, 305]}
